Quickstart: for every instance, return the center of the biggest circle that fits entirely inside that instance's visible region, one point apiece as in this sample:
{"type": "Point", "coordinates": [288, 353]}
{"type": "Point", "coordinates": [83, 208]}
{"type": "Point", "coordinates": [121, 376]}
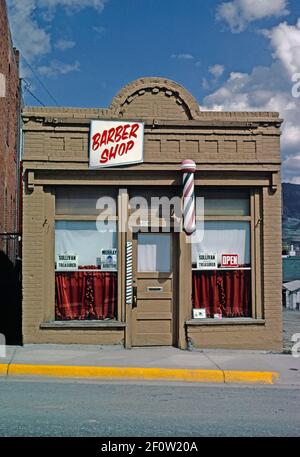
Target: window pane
{"type": "Point", "coordinates": [88, 291]}
{"type": "Point", "coordinates": [226, 207]}
{"type": "Point", "coordinates": [82, 201]}
{"type": "Point", "coordinates": [225, 293]}
{"type": "Point", "coordinates": [85, 240]}
{"type": "Point", "coordinates": [154, 193]}
{"type": "Point", "coordinates": [225, 203]}
{"type": "Point", "coordinates": [162, 202]}
{"type": "Point", "coordinates": [83, 295]}
{"type": "Point", "coordinates": [154, 252]}
{"type": "Point", "coordinates": [224, 237]}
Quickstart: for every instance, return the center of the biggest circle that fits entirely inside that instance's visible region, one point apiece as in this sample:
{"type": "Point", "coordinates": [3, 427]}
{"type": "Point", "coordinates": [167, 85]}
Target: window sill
{"type": "Point", "coordinates": [227, 321]}
{"type": "Point", "coordinates": [82, 324]}
{"type": "Point", "coordinates": [203, 270]}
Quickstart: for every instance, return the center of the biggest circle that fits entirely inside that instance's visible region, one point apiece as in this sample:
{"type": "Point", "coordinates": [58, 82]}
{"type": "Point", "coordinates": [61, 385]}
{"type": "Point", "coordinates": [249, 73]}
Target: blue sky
{"type": "Point", "coordinates": [231, 55]}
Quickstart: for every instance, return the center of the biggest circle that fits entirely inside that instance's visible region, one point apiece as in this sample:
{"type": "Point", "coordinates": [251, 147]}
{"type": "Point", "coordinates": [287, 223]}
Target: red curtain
{"type": "Point", "coordinates": [226, 292]}
{"type": "Point", "coordinates": [205, 292]}
{"type": "Point", "coordinates": [85, 295]}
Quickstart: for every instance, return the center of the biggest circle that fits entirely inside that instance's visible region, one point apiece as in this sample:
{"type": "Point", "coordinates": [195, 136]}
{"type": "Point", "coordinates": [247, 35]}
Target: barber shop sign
{"type": "Point", "coordinates": [115, 143]}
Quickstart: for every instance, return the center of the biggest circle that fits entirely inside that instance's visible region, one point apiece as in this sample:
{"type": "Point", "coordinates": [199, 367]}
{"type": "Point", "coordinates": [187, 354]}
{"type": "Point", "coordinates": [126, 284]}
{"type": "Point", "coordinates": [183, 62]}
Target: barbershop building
{"type": "Point", "coordinates": [105, 262]}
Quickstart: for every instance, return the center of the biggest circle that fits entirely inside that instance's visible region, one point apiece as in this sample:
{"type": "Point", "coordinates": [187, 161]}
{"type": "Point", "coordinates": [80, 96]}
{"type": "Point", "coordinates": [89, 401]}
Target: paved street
{"type": "Point", "coordinates": [91, 408]}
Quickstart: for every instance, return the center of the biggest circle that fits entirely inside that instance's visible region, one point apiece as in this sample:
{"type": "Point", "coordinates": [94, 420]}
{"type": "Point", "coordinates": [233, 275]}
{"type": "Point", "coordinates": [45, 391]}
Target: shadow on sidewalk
{"type": "Point", "coordinates": [10, 300]}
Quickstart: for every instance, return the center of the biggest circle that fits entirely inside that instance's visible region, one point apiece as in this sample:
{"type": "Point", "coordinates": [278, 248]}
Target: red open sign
{"type": "Point", "coordinates": [230, 260]}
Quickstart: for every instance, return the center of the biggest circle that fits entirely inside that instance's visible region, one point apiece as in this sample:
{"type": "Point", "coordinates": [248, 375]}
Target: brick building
{"type": "Point", "coordinates": [9, 181]}
{"type": "Point", "coordinates": [9, 136]}
{"type": "Point", "coordinates": [88, 277]}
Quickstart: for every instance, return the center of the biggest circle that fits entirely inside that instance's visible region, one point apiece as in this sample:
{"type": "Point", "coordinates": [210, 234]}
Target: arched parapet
{"type": "Point", "coordinates": [154, 98]}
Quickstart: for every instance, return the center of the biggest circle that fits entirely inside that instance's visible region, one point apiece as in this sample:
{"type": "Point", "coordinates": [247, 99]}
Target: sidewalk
{"type": "Point", "coordinates": [164, 363]}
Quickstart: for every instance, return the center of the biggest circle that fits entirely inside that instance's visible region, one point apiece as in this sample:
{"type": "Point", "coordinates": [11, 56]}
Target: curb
{"type": "Point", "coordinates": [3, 369]}
{"type": "Point", "coordinates": [259, 377]}
{"type": "Point", "coordinates": [141, 373]}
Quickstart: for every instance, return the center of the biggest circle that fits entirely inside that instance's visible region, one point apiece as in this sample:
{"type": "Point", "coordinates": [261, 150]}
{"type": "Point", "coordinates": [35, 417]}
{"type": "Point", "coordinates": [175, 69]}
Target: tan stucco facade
{"type": "Point", "coordinates": [231, 150]}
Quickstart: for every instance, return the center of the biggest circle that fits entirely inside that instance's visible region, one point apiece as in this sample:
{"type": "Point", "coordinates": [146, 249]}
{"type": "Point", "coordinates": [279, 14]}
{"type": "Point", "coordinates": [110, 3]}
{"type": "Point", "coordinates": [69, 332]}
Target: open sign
{"type": "Point", "coordinates": [230, 260]}
{"type": "Point", "coordinates": [114, 143]}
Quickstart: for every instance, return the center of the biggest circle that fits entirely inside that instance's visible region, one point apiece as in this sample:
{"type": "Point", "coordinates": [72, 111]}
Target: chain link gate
{"type": "Point", "coordinates": [10, 245]}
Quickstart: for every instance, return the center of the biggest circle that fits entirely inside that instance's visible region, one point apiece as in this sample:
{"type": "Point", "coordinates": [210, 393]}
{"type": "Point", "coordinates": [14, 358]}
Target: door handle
{"type": "Point", "coordinates": [134, 297]}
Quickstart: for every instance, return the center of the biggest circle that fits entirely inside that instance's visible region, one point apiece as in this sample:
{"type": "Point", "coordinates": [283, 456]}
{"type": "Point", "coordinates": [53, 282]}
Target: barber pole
{"type": "Point", "coordinates": [129, 273]}
{"type": "Point", "coordinates": [188, 167]}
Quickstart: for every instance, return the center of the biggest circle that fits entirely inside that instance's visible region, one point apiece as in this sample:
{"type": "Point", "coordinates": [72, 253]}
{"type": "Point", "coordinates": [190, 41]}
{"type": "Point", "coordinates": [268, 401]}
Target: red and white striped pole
{"type": "Point", "coordinates": [188, 168]}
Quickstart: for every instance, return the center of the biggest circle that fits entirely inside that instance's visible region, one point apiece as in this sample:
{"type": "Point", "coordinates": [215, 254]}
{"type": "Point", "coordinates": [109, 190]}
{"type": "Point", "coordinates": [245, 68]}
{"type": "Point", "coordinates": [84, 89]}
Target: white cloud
{"type": "Point", "coordinates": [292, 166]}
{"type": "Point", "coordinates": [63, 45]}
{"type": "Point", "coordinates": [295, 180]}
{"type": "Point", "coordinates": [239, 13]}
{"type": "Point", "coordinates": [216, 70]}
{"type": "Point", "coordinates": [269, 89]}
{"type": "Point", "coordinates": [99, 29]}
{"type": "Point", "coordinates": [285, 40]}
{"type": "Point", "coordinates": [184, 56]}
{"type": "Point", "coordinates": [30, 34]}
{"type": "Point", "coordinates": [72, 5]}
{"type": "Point", "coordinates": [58, 68]}
{"type": "Point", "coordinates": [205, 84]}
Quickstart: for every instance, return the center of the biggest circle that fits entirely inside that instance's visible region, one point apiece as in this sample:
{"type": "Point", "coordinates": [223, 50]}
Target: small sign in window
{"type": "Point", "coordinates": [207, 261]}
{"type": "Point", "coordinates": [199, 313]}
{"type": "Point", "coordinates": [230, 260]}
{"type": "Point", "coordinates": [108, 259]}
{"type": "Point", "coordinates": [66, 262]}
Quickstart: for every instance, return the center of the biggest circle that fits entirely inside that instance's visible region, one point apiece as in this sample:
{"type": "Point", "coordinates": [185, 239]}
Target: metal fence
{"type": "Point", "coordinates": [10, 244]}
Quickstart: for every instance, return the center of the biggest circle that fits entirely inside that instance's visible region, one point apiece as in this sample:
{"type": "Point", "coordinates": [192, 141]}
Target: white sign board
{"type": "Point", "coordinates": [199, 313]}
{"type": "Point", "coordinates": [108, 259]}
{"type": "Point", "coordinates": [115, 143]}
{"type": "Point", "coordinates": [67, 262]}
{"type": "Point", "coordinates": [207, 261]}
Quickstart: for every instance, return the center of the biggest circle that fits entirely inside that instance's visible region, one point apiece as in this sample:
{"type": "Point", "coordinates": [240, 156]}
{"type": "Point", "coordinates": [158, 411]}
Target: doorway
{"type": "Point", "coordinates": [153, 312]}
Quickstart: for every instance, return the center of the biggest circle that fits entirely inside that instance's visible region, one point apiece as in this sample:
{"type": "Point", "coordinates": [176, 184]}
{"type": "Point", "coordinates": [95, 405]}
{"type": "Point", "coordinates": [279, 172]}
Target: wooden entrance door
{"type": "Point", "coordinates": [152, 313]}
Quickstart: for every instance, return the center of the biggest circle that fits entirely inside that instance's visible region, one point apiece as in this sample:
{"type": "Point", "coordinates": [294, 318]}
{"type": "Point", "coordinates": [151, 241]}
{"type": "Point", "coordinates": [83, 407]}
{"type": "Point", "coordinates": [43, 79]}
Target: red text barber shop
{"type": "Point", "coordinates": [115, 142]}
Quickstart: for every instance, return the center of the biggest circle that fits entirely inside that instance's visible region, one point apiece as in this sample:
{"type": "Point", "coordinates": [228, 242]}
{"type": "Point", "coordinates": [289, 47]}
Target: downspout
{"type": "Point", "coordinates": [19, 182]}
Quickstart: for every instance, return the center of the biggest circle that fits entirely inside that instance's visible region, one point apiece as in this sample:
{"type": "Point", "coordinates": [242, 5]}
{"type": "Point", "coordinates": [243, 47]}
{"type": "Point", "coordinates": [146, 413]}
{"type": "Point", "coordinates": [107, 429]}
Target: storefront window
{"type": "Point", "coordinates": [226, 206]}
{"type": "Point", "coordinates": [85, 269]}
{"type": "Point", "coordinates": [225, 203]}
{"type": "Point", "coordinates": [155, 207]}
{"type": "Point", "coordinates": [82, 201]}
{"type": "Point", "coordinates": [221, 262]}
{"type": "Point", "coordinates": [224, 237]}
{"type": "Point", "coordinates": [154, 252]}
